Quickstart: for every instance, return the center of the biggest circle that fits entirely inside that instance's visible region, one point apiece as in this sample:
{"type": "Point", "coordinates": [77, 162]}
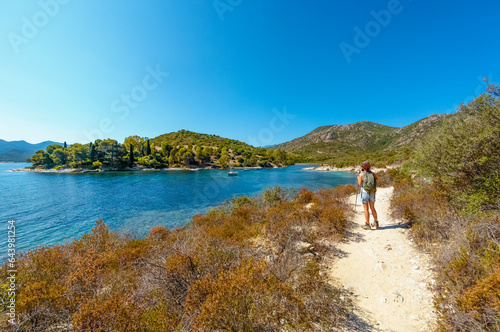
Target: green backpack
{"type": "Point", "coordinates": [369, 183]}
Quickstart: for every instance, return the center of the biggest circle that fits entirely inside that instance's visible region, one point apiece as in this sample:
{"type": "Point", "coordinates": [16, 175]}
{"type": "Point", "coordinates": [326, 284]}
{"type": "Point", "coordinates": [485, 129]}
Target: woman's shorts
{"type": "Point", "coordinates": [366, 197]}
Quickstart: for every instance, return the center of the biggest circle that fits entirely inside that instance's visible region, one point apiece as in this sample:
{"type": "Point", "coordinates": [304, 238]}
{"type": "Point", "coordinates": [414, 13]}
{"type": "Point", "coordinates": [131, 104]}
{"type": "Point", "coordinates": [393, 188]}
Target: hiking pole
{"type": "Point", "coordinates": [357, 189]}
{"type": "Point", "coordinates": [356, 202]}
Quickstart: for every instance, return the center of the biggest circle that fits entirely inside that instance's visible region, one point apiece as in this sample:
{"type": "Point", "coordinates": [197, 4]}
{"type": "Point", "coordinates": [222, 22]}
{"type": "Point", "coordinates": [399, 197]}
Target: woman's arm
{"type": "Point", "coordinates": [360, 179]}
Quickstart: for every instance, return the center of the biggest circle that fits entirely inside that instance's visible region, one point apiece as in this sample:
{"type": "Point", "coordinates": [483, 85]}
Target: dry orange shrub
{"type": "Point", "coordinates": [198, 277]}
{"type": "Point", "coordinates": [332, 220]}
{"type": "Point", "coordinates": [485, 293]}
{"type": "Point", "coordinates": [158, 233]}
{"type": "Point", "coordinates": [466, 251]}
{"type": "Point", "coordinates": [305, 196]}
{"type": "Point", "coordinates": [247, 298]}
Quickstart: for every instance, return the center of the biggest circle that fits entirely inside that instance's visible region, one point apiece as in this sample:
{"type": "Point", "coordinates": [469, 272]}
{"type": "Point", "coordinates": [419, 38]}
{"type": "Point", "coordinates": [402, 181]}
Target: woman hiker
{"type": "Point", "coordinates": [368, 185]}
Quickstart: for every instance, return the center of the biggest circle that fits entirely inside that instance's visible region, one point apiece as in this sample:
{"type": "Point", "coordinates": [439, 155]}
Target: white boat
{"type": "Point", "coordinates": [245, 166]}
{"type": "Point", "coordinates": [232, 172]}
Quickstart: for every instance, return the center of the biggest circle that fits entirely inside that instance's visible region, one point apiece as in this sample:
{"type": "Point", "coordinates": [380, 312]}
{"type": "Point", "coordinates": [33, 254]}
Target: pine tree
{"type": "Point", "coordinates": [131, 154]}
{"type": "Point", "coordinates": [148, 148]}
{"type": "Point", "coordinates": [92, 152]}
{"type": "Point", "coordinates": [65, 145]}
{"type": "Point", "coordinates": [198, 154]}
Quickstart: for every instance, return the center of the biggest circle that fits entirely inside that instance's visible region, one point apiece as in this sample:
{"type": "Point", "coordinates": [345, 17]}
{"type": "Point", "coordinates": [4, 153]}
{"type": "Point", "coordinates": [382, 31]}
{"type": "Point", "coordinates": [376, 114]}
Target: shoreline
{"type": "Point", "coordinates": [135, 169]}
{"type": "Point", "coordinates": [349, 169]}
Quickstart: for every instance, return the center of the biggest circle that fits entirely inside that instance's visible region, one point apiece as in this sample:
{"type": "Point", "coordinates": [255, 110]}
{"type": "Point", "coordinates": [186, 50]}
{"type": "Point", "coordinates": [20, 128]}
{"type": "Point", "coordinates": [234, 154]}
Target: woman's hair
{"type": "Point", "coordinates": [366, 165]}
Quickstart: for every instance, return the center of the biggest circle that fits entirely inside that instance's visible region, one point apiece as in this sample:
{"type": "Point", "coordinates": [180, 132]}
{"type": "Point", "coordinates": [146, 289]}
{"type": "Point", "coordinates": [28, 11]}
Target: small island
{"type": "Point", "coordinates": [177, 150]}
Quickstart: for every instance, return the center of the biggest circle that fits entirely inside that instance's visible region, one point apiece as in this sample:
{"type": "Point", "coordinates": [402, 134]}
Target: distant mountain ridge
{"type": "Point", "coordinates": [21, 150]}
{"type": "Point", "coordinates": [361, 137]}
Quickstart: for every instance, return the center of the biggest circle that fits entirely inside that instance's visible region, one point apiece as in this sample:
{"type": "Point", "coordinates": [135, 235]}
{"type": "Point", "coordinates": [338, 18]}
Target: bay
{"type": "Point", "coordinates": [54, 208]}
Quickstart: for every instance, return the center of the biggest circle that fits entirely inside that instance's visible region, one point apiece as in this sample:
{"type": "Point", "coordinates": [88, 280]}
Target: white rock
{"type": "Point", "coordinates": [379, 266]}
{"type": "Point", "coordinates": [381, 326]}
{"type": "Point", "coordinates": [309, 206]}
{"type": "Point", "coordinates": [303, 247]}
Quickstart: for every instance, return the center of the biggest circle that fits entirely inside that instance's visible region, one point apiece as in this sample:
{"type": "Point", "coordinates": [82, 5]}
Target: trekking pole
{"type": "Point", "coordinates": [356, 202]}
{"type": "Point", "coordinates": [357, 190]}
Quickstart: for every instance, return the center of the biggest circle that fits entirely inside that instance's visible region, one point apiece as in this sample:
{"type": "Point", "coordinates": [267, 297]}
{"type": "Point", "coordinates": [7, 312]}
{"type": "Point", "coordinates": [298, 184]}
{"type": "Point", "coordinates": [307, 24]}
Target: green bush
{"type": "Point", "coordinates": [454, 213]}
{"type": "Point", "coordinates": [463, 156]}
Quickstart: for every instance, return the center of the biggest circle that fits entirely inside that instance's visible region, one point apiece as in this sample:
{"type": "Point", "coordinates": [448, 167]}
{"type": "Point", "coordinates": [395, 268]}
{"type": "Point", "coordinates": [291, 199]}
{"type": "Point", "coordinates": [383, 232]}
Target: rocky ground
{"type": "Point", "coordinates": [354, 169]}
{"type": "Point", "coordinates": [388, 278]}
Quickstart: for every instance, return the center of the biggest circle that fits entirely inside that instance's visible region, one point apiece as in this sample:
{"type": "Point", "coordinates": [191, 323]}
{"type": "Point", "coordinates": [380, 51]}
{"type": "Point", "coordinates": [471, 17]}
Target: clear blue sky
{"type": "Point", "coordinates": [81, 69]}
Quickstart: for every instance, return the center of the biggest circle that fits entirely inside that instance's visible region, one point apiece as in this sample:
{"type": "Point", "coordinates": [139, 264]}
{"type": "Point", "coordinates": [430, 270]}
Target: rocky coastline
{"type": "Point", "coordinates": [350, 169]}
{"type": "Point", "coordinates": [128, 169]}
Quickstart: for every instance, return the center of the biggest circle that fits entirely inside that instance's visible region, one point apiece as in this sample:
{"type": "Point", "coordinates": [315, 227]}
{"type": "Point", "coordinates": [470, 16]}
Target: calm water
{"type": "Point", "coordinates": [53, 208]}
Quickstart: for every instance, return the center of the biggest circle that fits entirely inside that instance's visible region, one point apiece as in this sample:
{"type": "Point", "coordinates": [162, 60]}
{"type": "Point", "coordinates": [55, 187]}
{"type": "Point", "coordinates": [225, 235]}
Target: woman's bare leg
{"type": "Point", "coordinates": [374, 212]}
{"type": "Point", "coordinates": [367, 213]}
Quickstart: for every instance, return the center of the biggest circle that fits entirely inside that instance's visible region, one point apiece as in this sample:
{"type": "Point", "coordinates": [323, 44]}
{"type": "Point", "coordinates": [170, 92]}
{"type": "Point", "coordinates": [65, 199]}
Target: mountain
{"type": "Point", "coordinates": [20, 150]}
{"type": "Point", "coordinates": [365, 137]}
{"type": "Point", "coordinates": [16, 155]}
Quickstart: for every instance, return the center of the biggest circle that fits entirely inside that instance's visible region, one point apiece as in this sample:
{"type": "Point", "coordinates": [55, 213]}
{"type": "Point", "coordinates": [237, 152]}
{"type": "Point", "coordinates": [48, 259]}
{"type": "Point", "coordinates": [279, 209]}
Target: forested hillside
{"type": "Point", "coordinates": [178, 149]}
{"type": "Point", "coordinates": [343, 145]}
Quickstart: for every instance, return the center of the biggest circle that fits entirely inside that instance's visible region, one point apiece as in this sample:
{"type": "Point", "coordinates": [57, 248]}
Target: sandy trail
{"type": "Point", "coordinates": [387, 276]}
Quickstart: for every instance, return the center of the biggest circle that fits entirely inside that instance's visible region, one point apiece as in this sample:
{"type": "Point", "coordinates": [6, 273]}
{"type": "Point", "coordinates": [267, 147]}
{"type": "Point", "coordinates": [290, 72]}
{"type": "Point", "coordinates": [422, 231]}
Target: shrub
{"type": "Point", "coordinates": [271, 196]}
{"type": "Point", "coordinates": [304, 196]}
{"type": "Point", "coordinates": [247, 298]}
{"type": "Point", "coordinates": [158, 233]}
{"type": "Point", "coordinates": [466, 251]}
{"type": "Point", "coordinates": [426, 209]}
{"type": "Point", "coordinates": [236, 267]}
{"type": "Point", "coordinates": [463, 155]}
{"type": "Point", "coordinates": [97, 164]}
{"type": "Point", "coordinates": [332, 219]}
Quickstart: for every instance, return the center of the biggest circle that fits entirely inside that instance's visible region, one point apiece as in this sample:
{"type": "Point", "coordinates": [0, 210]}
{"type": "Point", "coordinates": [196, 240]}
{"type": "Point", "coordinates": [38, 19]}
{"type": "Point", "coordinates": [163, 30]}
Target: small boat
{"type": "Point", "coordinates": [232, 173]}
{"type": "Point", "coordinates": [245, 166]}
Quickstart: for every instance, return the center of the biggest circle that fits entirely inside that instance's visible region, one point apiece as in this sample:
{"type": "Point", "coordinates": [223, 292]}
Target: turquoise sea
{"type": "Point", "coordinates": [50, 209]}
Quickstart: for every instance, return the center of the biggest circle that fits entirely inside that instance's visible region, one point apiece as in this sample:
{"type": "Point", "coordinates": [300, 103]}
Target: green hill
{"type": "Point", "coordinates": [183, 148]}
{"type": "Point", "coordinates": [185, 137]}
{"type": "Point", "coordinates": [16, 155]}
{"type": "Point", "coordinates": [346, 144]}
{"type": "Point", "coordinates": [18, 151]}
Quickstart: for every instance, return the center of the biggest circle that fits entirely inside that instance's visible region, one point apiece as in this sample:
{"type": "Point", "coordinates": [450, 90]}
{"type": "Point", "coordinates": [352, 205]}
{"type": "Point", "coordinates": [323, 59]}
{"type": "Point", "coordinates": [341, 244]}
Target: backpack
{"type": "Point", "coordinates": [369, 183]}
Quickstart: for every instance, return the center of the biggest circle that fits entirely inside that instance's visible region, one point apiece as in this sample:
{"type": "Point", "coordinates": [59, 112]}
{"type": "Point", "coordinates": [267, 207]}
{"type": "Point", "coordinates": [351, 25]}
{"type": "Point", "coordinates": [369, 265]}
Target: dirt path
{"type": "Point", "coordinates": [387, 276]}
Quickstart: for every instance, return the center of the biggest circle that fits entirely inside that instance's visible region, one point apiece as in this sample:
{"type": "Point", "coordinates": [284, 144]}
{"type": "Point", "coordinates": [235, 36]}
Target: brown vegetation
{"type": "Point", "coordinates": [466, 251]}
{"type": "Point", "coordinates": [252, 264]}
